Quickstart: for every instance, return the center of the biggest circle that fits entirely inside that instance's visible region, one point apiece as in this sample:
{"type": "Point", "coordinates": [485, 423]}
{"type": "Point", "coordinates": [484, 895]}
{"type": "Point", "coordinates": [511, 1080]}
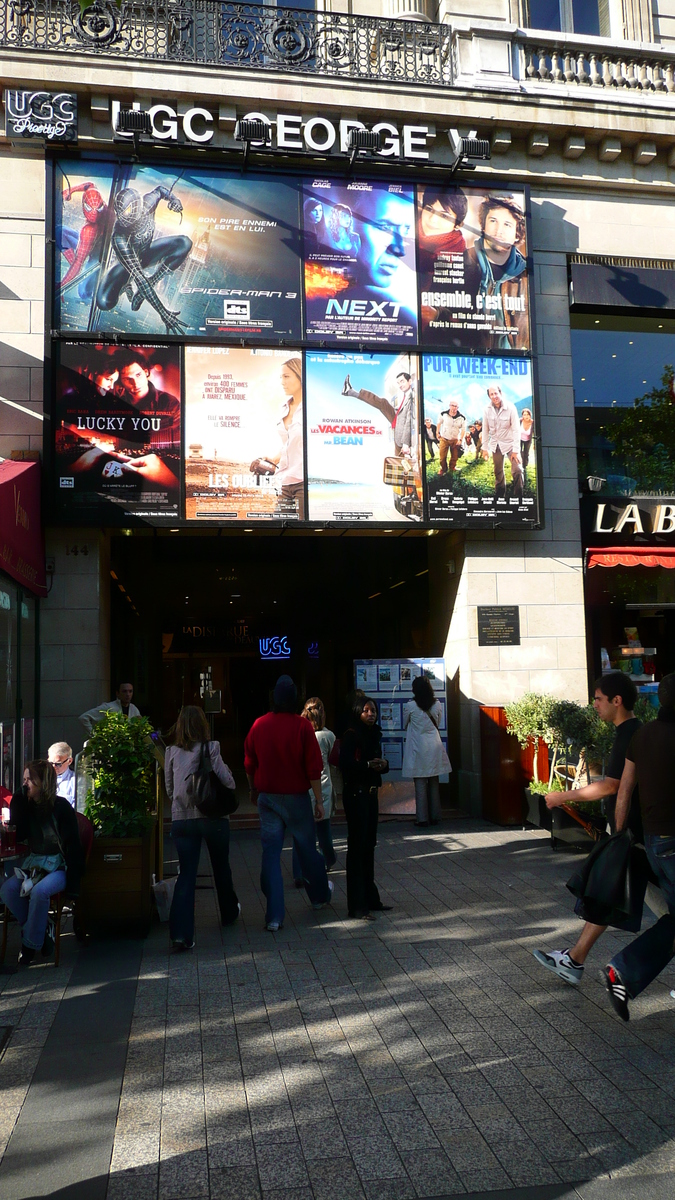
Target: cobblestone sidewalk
{"type": "Point", "coordinates": [424, 1055]}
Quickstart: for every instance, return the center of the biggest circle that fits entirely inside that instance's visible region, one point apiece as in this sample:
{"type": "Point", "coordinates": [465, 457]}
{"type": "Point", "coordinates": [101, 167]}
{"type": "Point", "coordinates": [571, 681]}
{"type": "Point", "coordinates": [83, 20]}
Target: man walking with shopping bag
{"type": "Point", "coordinates": [650, 763]}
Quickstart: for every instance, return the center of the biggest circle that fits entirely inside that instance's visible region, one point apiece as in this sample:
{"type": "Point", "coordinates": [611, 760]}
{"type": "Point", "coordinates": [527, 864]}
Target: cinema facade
{"type": "Point", "coordinates": [317, 350]}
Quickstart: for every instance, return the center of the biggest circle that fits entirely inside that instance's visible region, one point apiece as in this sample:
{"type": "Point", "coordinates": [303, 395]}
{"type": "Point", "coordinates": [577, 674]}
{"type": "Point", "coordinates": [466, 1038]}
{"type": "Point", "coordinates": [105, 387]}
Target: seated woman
{"type": "Point", "coordinates": [47, 823]}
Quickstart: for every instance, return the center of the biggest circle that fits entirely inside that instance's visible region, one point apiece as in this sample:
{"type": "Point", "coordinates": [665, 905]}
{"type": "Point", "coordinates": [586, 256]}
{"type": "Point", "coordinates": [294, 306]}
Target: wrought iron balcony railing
{"type": "Point", "coordinates": [217, 34]}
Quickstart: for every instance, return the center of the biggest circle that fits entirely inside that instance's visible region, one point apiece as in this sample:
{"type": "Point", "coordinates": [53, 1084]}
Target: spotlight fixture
{"type": "Point", "coordinates": [135, 122]}
{"type": "Point", "coordinates": [363, 141]}
{"type": "Point", "coordinates": [467, 151]}
{"type": "Point", "coordinates": [252, 133]}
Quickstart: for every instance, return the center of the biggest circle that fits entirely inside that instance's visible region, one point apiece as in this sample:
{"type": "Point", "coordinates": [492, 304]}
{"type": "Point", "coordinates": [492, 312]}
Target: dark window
{"type": "Point", "coordinates": [586, 17]}
{"type": "Point", "coordinates": [545, 14]}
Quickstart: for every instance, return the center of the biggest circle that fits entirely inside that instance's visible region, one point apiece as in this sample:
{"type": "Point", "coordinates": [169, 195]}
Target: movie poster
{"type": "Point", "coordinates": [363, 437]}
{"type": "Point", "coordinates": [117, 421]}
{"type": "Point", "coordinates": [244, 456]}
{"type": "Point", "coordinates": [359, 261]}
{"type": "Point", "coordinates": [472, 264]}
{"type": "Point", "coordinates": [479, 440]}
{"type": "Point", "coordinates": [147, 250]}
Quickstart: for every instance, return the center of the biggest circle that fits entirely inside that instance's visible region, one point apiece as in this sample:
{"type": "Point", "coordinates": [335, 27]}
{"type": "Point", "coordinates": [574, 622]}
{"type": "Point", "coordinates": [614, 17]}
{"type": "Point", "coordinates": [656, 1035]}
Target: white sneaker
{"type": "Point", "coordinates": [325, 903]}
{"type": "Point", "coordinates": [561, 964]}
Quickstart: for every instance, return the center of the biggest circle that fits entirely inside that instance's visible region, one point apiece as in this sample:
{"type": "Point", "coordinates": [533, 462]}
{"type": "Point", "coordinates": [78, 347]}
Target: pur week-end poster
{"type": "Point", "coordinates": [117, 424]}
{"type": "Point", "coordinates": [152, 251]}
{"type": "Point", "coordinates": [359, 261]}
{"type": "Point", "coordinates": [472, 262]}
{"type": "Point", "coordinates": [244, 458]}
{"type": "Point", "coordinates": [479, 440]}
{"type": "Point", "coordinates": [363, 437]}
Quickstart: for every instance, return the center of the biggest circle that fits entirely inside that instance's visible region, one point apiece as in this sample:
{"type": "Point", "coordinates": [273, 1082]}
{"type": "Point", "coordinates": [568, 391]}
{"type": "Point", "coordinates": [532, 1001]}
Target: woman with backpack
{"type": "Point", "coordinates": [192, 752]}
{"type": "Point", "coordinates": [424, 756]}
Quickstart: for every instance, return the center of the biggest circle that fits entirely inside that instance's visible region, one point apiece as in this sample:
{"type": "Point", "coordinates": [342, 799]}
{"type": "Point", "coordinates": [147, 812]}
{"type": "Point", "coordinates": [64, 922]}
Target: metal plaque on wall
{"type": "Point", "coordinates": [498, 625]}
{"type": "Point", "coordinates": [45, 116]}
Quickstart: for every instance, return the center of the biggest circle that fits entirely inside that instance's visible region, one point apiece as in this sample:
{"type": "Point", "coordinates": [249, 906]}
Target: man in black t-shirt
{"type": "Point", "coordinates": [650, 762]}
{"type": "Point", "coordinates": [614, 700]}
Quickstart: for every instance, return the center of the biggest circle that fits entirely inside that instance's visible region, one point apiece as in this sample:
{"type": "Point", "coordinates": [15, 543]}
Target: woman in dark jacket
{"type": "Point", "coordinates": [362, 767]}
{"type": "Point", "coordinates": [47, 823]}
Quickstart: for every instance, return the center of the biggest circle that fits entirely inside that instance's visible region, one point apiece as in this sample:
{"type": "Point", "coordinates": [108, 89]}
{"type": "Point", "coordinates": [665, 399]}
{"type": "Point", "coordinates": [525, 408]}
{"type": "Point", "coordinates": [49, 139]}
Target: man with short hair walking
{"type": "Point", "coordinates": [283, 761]}
{"type": "Point", "coordinates": [614, 699]}
{"type": "Point", "coordinates": [650, 763]}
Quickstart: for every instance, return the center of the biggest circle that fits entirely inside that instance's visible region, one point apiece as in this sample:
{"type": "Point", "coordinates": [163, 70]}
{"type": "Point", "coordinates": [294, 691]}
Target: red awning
{"type": "Point", "coordinates": [631, 556]}
{"type": "Point", "coordinates": [22, 552]}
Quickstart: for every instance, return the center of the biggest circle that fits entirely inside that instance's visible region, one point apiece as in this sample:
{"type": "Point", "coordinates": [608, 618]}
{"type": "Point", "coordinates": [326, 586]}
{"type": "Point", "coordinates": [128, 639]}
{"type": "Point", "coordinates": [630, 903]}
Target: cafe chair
{"type": "Point", "coordinates": [56, 902]}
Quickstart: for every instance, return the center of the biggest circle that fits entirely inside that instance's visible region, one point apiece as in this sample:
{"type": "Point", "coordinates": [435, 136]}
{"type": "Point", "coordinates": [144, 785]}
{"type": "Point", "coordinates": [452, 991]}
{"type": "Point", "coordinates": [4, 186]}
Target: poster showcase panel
{"type": "Point", "coordinates": [472, 261]}
{"type": "Point", "coordinates": [118, 429]}
{"type": "Point", "coordinates": [359, 261]}
{"type": "Point", "coordinates": [479, 440]}
{"type": "Point", "coordinates": [244, 455]}
{"type": "Point", "coordinates": [147, 250]}
{"type": "Point", "coordinates": [363, 437]}
{"type": "Point", "coordinates": [389, 682]}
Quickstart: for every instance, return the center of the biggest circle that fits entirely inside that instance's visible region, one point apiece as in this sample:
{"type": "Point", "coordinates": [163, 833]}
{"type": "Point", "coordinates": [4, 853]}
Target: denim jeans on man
{"type": "Point", "coordinates": [32, 911]}
{"type": "Point", "coordinates": [324, 836]}
{"type": "Point", "coordinates": [187, 838]}
{"type": "Point", "coordinates": [641, 961]}
{"type": "Point", "coordinates": [293, 813]}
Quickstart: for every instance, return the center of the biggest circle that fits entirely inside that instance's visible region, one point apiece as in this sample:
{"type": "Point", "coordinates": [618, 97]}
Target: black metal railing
{"type": "Point", "coordinates": [216, 34]}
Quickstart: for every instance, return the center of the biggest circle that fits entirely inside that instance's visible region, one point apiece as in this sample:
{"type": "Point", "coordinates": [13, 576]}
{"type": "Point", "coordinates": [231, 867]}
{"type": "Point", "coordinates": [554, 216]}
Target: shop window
{"type": "Point", "coordinates": [624, 397]}
{"type": "Point", "coordinates": [8, 650]}
{"type": "Point", "coordinates": [570, 16]}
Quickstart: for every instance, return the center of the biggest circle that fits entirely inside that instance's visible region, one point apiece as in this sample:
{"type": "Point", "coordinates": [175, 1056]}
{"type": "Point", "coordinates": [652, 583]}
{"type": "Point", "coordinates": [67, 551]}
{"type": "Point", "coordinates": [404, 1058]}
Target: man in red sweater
{"type": "Point", "coordinates": [283, 761]}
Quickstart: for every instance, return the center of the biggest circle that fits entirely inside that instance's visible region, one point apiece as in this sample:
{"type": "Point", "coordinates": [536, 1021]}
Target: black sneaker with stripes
{"type": "Point", "coordinates": [618, 993]}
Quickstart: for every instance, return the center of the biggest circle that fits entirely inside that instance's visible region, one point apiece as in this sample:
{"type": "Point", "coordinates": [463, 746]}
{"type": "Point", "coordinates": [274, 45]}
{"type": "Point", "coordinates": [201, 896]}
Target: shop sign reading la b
{"type": "Point", "coordinates": [634, 518]}
{"type": "Point", "coordinates": [288, 131]}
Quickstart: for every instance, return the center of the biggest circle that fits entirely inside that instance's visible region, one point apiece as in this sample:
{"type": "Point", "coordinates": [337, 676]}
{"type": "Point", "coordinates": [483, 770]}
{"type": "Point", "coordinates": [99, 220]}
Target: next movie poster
{"type": "Point", "coordinates": [359, 261]}
{"type": "Point", "coordinates": [363, 440]}
{"type": "Point", "coordinates": [244, 457]}
{"type": "Point", "coordinates": [472, 262]}
{"type": "Point", "coordinates": [479, 440]}
{"type": "Point", "coordinates": [147, 250]}
{"type": "Point", "coordinates": [118, 429]}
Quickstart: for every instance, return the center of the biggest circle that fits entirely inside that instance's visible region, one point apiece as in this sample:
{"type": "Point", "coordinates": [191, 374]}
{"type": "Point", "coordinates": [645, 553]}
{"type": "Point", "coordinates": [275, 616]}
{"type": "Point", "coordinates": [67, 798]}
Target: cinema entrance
{"type": "Point", "coordinates": [214, 620]}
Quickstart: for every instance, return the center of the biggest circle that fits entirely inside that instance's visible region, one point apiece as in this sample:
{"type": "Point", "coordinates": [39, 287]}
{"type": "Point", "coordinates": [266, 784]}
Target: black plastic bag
{"type": "Point", "coordinates": [210, 795]}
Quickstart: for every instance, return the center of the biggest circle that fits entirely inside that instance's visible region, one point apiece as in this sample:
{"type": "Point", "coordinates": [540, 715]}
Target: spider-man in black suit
{"type": "Point", "coordinates": [78, 249]}
{"type": "Point", "coordinates": [142, 259]}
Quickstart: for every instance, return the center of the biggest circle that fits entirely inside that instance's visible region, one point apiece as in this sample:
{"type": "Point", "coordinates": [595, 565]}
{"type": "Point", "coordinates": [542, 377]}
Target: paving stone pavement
{"type": "Point", "coordinates": [424, 1055]}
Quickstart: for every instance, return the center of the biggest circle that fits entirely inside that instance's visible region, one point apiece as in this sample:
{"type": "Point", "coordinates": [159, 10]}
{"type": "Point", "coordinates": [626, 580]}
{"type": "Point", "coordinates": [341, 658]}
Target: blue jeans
{"type": "Point", "coordinates": [292, 812]}
{"type": "Point", "coordinates": [640, 962]}
{"type": "Point", "coordinates": [32, 911]}
{"type": "Point", "coordinates": [187, 838]}
{"type": "Point", "coordinates": [324, 837]}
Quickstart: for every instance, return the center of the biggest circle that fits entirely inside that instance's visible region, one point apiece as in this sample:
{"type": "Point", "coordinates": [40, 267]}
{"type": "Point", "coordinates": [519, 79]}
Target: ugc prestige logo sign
{"type": "Point", "coordinates": [47, 116]}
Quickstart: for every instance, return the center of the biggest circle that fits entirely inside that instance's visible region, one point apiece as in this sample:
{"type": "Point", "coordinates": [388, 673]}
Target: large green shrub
{"type": "Point", "coordinates": [528, 718]}
{"type": "Point", "coordinates": [120, 756]}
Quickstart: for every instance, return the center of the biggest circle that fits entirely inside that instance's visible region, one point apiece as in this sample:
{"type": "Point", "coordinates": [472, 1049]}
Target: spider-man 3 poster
{"type": "Point", "coordinates": [152, 251]}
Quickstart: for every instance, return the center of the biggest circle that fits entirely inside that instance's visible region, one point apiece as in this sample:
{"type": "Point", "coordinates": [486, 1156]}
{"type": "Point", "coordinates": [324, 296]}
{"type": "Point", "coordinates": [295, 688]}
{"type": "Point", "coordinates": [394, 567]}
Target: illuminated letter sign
{"type": "Point", "coordinates": [274, 647]}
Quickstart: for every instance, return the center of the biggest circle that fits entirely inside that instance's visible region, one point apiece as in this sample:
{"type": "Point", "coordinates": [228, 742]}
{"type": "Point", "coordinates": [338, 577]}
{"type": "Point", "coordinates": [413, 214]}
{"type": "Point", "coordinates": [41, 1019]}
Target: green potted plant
{"type": "Point", "coordinates": [120, 760]}
{"type": "Point", "coordinates": [528, 720]}
{"type": "Point", "coordinates": [576, 735]}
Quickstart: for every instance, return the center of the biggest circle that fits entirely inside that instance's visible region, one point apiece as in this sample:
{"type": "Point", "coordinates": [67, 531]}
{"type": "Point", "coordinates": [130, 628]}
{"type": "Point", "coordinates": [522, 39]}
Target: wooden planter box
{"type": "Point", "coordinates": [116, 889]}
{"type": "Point", "coordinates": [565, 829]}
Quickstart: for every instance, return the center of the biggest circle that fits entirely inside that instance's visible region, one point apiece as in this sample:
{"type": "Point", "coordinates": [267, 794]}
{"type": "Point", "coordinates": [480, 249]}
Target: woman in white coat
{"type": "Point", "coordinates": [424, 757]}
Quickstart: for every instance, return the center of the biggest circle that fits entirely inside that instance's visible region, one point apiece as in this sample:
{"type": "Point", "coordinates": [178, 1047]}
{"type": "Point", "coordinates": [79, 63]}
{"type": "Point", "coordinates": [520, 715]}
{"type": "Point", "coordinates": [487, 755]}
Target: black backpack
{"type": "Point", "coordinates": [208, 792]}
